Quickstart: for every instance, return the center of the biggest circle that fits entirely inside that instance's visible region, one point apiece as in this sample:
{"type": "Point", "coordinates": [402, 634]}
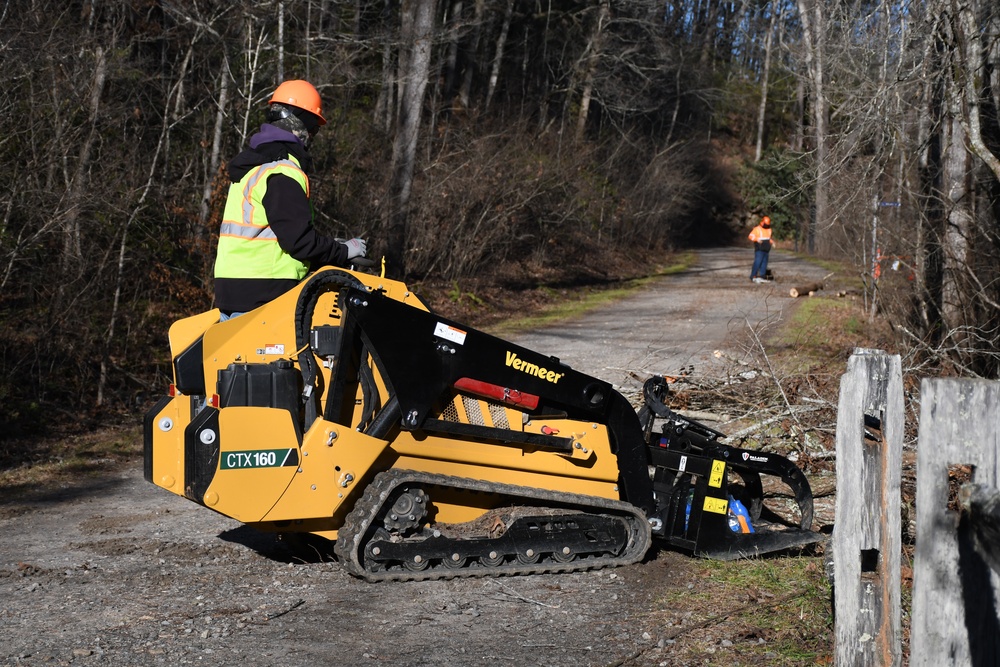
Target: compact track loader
{"type": "Point", "coordinates": [428, 449]}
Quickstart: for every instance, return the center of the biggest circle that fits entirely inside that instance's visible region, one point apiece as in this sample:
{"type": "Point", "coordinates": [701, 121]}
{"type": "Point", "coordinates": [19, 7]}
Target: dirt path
{"type": "Point", "coordinates": [115, 571]}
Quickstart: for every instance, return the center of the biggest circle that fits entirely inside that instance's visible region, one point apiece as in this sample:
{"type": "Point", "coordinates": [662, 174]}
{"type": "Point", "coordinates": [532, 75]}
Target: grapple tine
{"type": "Point", "coordinates": [758, 544]}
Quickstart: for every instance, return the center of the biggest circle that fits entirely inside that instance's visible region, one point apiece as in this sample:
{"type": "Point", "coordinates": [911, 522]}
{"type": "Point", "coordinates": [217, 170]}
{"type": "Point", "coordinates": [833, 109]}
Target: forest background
{"type": "Point", "coordinates": [479, 145]}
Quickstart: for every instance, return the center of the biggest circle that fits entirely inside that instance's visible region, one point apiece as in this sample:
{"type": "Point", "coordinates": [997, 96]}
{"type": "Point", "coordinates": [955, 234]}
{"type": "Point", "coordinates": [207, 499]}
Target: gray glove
{"type": "Point", "coordinates": [356, 248]}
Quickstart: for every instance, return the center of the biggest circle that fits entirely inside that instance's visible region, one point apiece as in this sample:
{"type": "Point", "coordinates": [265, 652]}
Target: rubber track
{"type": "Point", "coordinates": [349, 544]}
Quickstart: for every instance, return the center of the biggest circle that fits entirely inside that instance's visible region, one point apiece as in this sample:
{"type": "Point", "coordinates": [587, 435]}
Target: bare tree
{"type": "Point", "coordinates": [971, 82]}
{"type": "Point", "coordinates": [591, 59]}
{"type": "Point", "coordinates": [215, 157]}
{"type": "Point", "coordinates": [498, 53]}
{"type": "Point", "coordinates": [765, 77]}
{"type": "Point", "coordinates": [811, 14]}
{"type": "Point", "coordinates": [78, 192]}
{"type": "Point", "coordinates": [418, 35]}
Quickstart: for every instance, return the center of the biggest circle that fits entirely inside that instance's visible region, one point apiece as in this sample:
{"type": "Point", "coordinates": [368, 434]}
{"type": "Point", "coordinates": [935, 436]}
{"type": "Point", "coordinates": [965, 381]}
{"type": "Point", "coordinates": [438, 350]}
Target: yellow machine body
{"type": "Point", "coordinates": [269, 476]}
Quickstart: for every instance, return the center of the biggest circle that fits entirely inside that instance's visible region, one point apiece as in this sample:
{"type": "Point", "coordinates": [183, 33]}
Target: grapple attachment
{"type": "Point", "coordinates": [710, 496]}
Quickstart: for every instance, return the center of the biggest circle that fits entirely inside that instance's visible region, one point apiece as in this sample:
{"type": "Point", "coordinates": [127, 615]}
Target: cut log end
{"type": "Point", "coordinates": [796, 292]}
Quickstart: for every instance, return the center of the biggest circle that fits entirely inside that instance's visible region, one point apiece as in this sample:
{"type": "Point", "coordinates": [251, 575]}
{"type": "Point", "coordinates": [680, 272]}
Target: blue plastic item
{"type": "Point", "coordinates": [739, 517]}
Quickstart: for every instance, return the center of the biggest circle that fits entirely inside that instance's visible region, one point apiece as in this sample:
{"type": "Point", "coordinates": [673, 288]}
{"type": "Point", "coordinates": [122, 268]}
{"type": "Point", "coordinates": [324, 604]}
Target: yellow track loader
{"type": "Point", "coordinates": [427, 449]}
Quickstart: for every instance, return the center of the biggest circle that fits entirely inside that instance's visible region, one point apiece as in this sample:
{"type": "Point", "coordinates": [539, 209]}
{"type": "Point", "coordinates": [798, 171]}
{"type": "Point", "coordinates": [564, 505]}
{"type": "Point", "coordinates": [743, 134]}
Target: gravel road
{"type": "Point", "coordinates": [111, 570]}
{"type": "Point", "coordinates": [679, 321]}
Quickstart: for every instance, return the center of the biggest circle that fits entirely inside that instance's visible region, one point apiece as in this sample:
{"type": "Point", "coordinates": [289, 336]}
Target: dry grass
{"type": "Point", "coordinates": [768, 611]}
{"type": "Point", "coordinates": [64, 456]}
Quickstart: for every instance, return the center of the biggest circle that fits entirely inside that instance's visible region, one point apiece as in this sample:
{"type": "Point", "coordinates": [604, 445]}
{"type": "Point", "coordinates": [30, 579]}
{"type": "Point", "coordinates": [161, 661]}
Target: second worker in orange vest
{"type": "Point", "coordinates": [761, 237]}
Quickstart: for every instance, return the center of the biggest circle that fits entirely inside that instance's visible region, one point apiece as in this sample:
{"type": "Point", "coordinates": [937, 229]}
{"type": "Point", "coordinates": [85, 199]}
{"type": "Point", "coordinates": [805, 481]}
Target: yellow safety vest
{"type": "Point", "coordinates": [248, 247]}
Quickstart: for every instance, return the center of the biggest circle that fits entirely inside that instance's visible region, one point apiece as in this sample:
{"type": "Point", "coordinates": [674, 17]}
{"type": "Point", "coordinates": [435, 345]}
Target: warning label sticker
{"type": "Point", "coordinates": [442, 330]}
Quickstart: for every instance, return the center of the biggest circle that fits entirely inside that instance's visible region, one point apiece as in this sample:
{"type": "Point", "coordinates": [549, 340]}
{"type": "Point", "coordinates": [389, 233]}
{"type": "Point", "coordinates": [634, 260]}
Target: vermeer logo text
{"type": "Point", "coordinates": [519, 364]}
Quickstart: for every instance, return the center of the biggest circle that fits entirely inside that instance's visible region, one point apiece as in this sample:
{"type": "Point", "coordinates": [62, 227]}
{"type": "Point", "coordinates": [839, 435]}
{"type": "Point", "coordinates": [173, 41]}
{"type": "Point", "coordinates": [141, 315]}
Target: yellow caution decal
{"type": "Point", "coordinates": [519, 364]}
{"type": "Point", "coordinates": [718, 470]}
{"type": "Point", "coordinates": [715, 505]}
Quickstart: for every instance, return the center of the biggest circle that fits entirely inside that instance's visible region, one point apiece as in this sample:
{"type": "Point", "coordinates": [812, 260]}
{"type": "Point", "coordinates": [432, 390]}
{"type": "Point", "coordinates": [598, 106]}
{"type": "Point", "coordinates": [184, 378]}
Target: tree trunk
{"type": "Point", "coordinates": [708, 36]}
{"type": "Point", "coordinates": [307, 38]}
{"type": "Point", "coordinates": [498, 57]}
{"type": "Point", "coordinates": [959, 194]}
{"type": "Point", "coordinates": [280, 72]}
{"type": "Point", "coordinates": [971, 79]}
{"type": "Point", "coordinates": [465, 92]}
{"type": "Point", "coordinates": [252, 64]}
{"type": "Point", "coordinates": [418, 21]}
{"type": "Point", "coordinates": [727, 39]}
{"type": "Point", "coordinates": [931, 220]}
{"type": "Point", "coordinates": [677, 101]}
{"type": "Point", "coordinates": [798, 139]}
{"type": "Point", "coordinates": [214, 158]}
{"type": "Point", "coordinates": [813, 29]}
{"type": "Point", "coordinates": [765, 82]}
{"type": "Point", "coordinates": [993, 63]}
{"type": "Point", "coordinates": [15, 246]}
{"type": "Point", "coordinates": [72, 251]}
{"type": "Point", "coordinates": [590, 66]}
{"type": "Point", "coordinates": [386, 102]}
{"type": "Point", "coordinates": [454, 19]}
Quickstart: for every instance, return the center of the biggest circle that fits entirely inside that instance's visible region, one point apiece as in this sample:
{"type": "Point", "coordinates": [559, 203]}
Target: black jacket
{"type": "Point", "coordinates": [288, 213]}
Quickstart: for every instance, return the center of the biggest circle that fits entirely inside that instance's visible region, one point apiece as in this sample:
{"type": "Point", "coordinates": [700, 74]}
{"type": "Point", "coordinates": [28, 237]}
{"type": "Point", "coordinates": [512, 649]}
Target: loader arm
{"type": "Point", "coordinates": [424, 358]}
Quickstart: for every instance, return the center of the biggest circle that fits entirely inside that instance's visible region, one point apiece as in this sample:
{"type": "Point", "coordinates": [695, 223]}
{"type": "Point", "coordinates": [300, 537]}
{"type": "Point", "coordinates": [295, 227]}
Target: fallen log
{"type": "Point", "coordinates": [796, 292]}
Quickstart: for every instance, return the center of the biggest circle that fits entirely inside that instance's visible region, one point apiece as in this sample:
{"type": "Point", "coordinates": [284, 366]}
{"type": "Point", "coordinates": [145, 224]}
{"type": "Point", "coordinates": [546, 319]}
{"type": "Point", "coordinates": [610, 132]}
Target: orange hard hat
{"type": "Point", "coordinates": [765, 220]}
{"type": "Point", "coordinates": [301, 94]}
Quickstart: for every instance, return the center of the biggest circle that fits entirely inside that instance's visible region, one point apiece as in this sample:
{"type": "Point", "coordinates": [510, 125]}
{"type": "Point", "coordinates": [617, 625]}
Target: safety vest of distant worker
{"type": "Point", "coordinates": [248, 247]}
{"type": "Point", "coordinates": [761, 235]}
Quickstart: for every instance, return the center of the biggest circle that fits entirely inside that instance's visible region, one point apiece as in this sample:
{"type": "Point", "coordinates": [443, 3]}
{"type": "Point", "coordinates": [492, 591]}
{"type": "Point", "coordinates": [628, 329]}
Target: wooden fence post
{"type": "Point", "coordinates": [955, 593]}
{"type": "Point", "coordinates": [867, 538]}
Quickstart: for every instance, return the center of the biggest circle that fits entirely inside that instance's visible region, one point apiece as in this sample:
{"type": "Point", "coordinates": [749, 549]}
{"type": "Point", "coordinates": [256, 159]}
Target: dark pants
{"type": "Point", "coordinates": [759, 269]}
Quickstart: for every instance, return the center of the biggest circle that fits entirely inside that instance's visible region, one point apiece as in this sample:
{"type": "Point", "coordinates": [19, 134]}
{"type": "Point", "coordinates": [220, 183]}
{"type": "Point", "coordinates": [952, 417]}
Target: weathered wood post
{"type": "Point", "coordinates": [955, 593]}
{"type": "Point", "coordinates": [867, 538]}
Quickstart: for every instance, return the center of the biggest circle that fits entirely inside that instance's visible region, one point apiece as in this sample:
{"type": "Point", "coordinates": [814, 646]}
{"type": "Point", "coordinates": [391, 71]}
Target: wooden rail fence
{"type": "Point", "coordinates": [867, 538]}
{"type": "Point", "coordinates": [955, 619]}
